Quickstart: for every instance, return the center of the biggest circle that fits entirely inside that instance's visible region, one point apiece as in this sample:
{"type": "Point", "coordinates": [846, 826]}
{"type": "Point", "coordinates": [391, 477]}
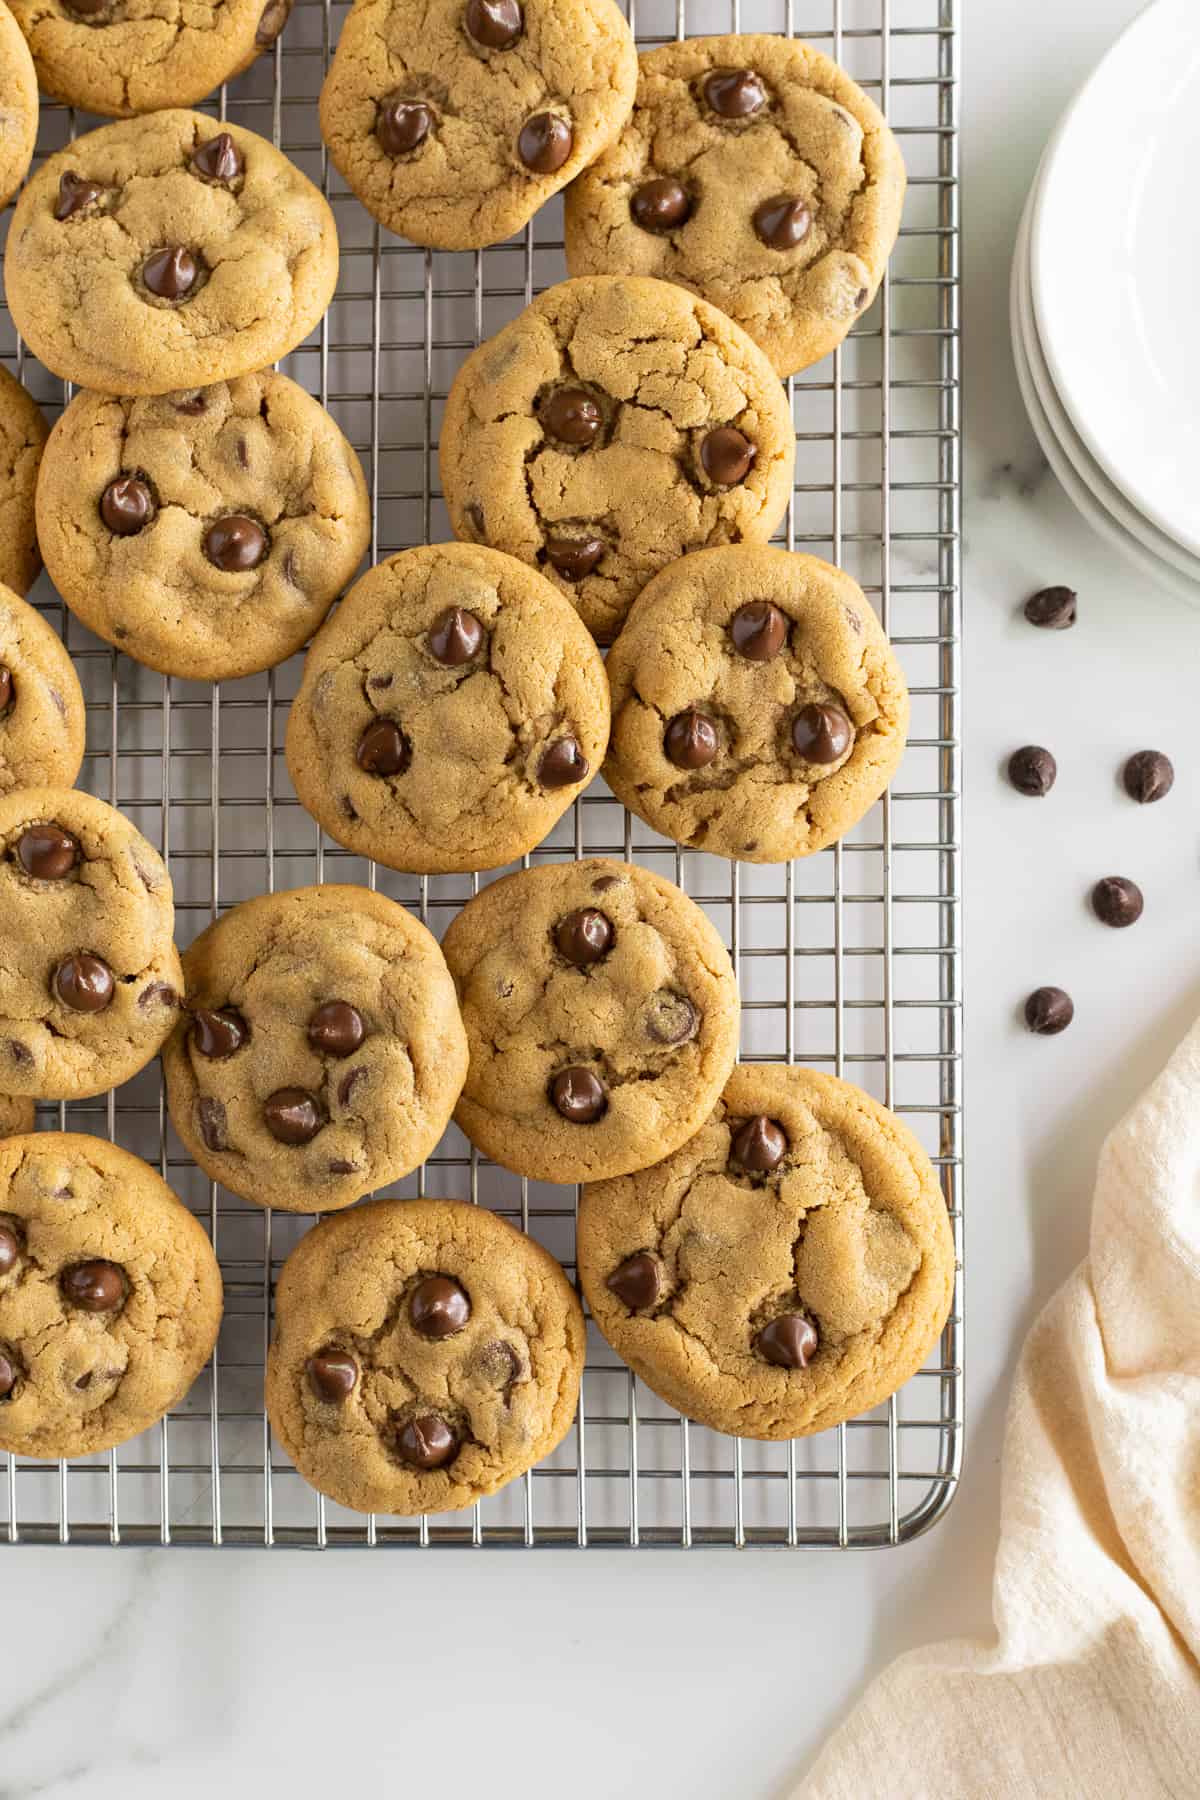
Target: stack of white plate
{"type": "Point", "coordinates": [1105, 298]}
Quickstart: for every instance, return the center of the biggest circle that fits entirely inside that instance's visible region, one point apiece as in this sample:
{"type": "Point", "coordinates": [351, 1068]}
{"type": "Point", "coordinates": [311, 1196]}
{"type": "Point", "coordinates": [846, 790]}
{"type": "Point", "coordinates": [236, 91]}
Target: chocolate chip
{"type": "Point", "coordinates": [602, 883]}
{"type": "Point", "coordinates": [75, 194]}
{"type": "Point", "coordinates": [192, 406]}
{"type": "Point", "coordinates": [1052, 608]}
{"type": "Point", "coordinates": [288, 569]}
{"type": "Point", "coordinates": [455, 636]}
{"type": "Point", "coordinates": [496, 24]}
{"type": "Point", "coordinates": [638, 1281]}
{"type": "Point", "coordinates": [1032, 770]}
{"type": "Point", "coordinates": [218, 159]}
{"type": "Point", "coordinates": [426, 1442]}
{"type": "Point", "coordinates": [127, 505]}
{"type": "Point", "coordinates": [378, 683]}
{"type": "Point", "coordinates": [339, 1166]}
{"type": "Point", "coordinates": [87, 9]}
{"type": "Point", "coordinates": [578, 1095]}
{"type": "Point", "coordinates": [332, 1375]}
{"type": "Point", "coordinates": [94, 1287]}
{"type": "Point", "coordinates": [690, 740]}
{"type": "Point", "coordinates": [242, 453]}
{"type": "Point", "coordinates": [574, 558]}
{"type": "Point", "coordinates": [274, 17]}
{"type": "Point", "coordinates": [10, 1248]}
{"type": "Point", "coordinates": [158, 993]}
{"type": "Point", "coordinates": [219, 1033]}
{"type": "Point", "coordinates": [861, 298]}
{"type": "Point", "coordinates": [820, 734]}
{"type": "Point", "coordinates": [758, 630]}
{"type": "Point", "coordinates": [9, 1374]}
{"type": "Point", "coordinates": [336, 1028]}
{"type": "Point", "coordinates": [403, 124]}
{"type": "Point", "coordinates": [661, 205]}
{"type": "Point", "coordinates": [1148, 776]}
{"type": "Point", "coordinates": [499, 1363]}
{"type": "Point", "coordinates": [571, 416]}
{"type": "Point", "coordinates": [783, 222]}
{"type": "Point", "coordinates": [584, 936]}
{"type": "Point", "coordinates": [1049, 1010]}
{"type": "Point", "coordinates": [47, 852]}
{"type": "Point", "coordinates": [170, 273]}
{"type": "Point", "coordinates": [788, 1341]}
{"type": "Point", "coordinates": [6, 687]}
{"type": "Point", "coordinates": [1117, 901]}
{"type": "Point", "coordinates": [474, 513]}
{"type": "Point", "coordinates": [562, 764]}
{"type": "Point", "coordinates": [21, 1054]}
{"type": "Point", "coordinates": [292, 1116]}
{"type": "Point", "coordinates": [544, 143]}
{"type": "Point", "coordinates": [734, 93]}
{"type": "Point", "coordinates": [84, 983]}
{"type": "Point", "coordinates": [438, 1307]}
{"type": "Point", "coordinates": [347, 1085]}
{"type": "Point", "coordinates": [235, 543]}
{"type": "Point", "coordinates": [671, 1018]}
{"type": "Point", "coordinates": [727, 455]}
{"type": "Point", "coordinates": [760, 1144]}
{"type": "Point", "coordinates": [210, 1116]}
{"type": "Point", "coordinates": [383, 749]}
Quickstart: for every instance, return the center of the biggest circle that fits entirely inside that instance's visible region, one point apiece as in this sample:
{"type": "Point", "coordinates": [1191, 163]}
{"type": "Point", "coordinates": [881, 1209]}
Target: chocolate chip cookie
{"type": "Point", "coordinates": [601, 1014]}
{"type": "Point", "coordinates": [90, 978]}
{"type": "Point", "coordinates": [123, 57]}
{"type": "Point", "coordinates": [110, 1296]}
{"type": "Point", "coordinates": [16, 1116]}
{"type": "Point", "coordinates": [754, 172]}
{"type": "Point", "coordinates": [454, 120]}
{"type": "Point", "coordinates": [19, 106]}
{"type": "Point", "coordinates": [322, 1050]}
{"type": "Point", "coordinates": [425, 1353]}
{"type": "Point", "coordinates": [758, 709]}
{"type": "Point", "coordinates": [205, 533]}
{"type": "Point", "coordinates": [22, 435]}
{"type": "Point", "coordinates": [788, 1268]}
{"type": "Point", "coordinates": [450, 712]}
{"type": "Point", "coordinates": [168, 252]}
{"type": "Point", "coordinates": [612, 426]}
{"type": "Point", "coordinates": [41, 703]}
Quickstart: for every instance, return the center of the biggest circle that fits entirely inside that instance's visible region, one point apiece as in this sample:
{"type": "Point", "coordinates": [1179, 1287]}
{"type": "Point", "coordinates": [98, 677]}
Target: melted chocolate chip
{"type": "Point", "coordinates": [821, 734]}
{"type": "Point", "coordinates": [495, 24]}
{"type": "Point", "coordinates": [1117, 901]}
{"type": "Point", "coordinates": [544, 143]}
{"type": "Point", "coordinates": [1048, 1011]}
{"type": "Point", "coordinates": [210, 1119]}
{"type": "Point", "coordinates": [84, 983]}
{"type": "Point", "coordinates": [75, 195]}
{"type": "Point", "coordinates": [127, 505]}
{"type": "Point", "coordinates": [638, 1281]}
{"type": "Point", "coordinates": [671, 1018]}
{"type": "Point", "coordinates": [758, 631]}
{"type": "Point", "coordinates": [574, 558]}
{"type": "Point", "coordinates": [661, 205]}
{"type": "Point", "coordinates": [274, 17]}
{"type": "Point", "coordinates": [579, 1096]}
{"type": "Point", "coordinates": [158, 993]}
{"type": "Point", "coordinates": [192, 406]}
{"type": "Point", "coordinates": [584, 936]}
{"type": "Point", "coordinates": [438, 1307]}
{"type": "Point", "coordinates": [332, 1375]}
{"type": "Point", "coordinates": [336, 1028]}
{"type": "Point", "coordinates": [788, 1341]}
{"type": "Point", "coordinates": [9, 1373]}
{"type": "Point", "coordinates": [219, 1033]}
{"type": "Point", "coordinates": [292, 1116]}
{"type": "Point", "coordinates": [782, 223]}
{"type": "Point", "coordinates": [1148, 776]}
{"type": "Point", "coordinates": [690, 740]}
{"type": "Point", "coordinates": [383, 749]}
{"type": "Point", "coordinates": [10, 1248]}
{"type": "Point", "coordinates": [6, 687]}
{"type": "Point", "coordinates": [760, 1144]}
{"type": "Point", "coordinates": [571, 416]}
{"type": "Point", "coordinates": [235, 543]}
{"type": "Point", "coordinates": [47, 852]}
{"type": "Point", "coordinates": [218, 159]}
{"type": "Point", "coordinates": [727, 455]}
{"type": "Point", "coordinates": [347, 1085]}
{"type": "Point", "coordinates": [339, 1166]}
{"type": "Point", "coordinates": [455, 637]}
{"type": "Point", "coordinates": [403, 124]}
{"type": "Point", "coordinates": [94, 1287]}
{"type": "Point", "coordinates": [562, 764]}
{"type": "Point", "coordinates": [734, 93]}
{"type": "Point", "coordinates": [499, 1363]}
{"type": "Point", "coordinates": [170, 273]}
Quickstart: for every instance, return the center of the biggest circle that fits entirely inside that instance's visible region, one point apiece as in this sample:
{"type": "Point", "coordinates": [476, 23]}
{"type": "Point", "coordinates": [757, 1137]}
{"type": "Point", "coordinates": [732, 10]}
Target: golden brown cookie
{"type": "Point", "coordinates": [19, 106]}
{"type": "Point", "coordinates": [90, 978]}
{"type": "Point", "coordinates": [788, 1268]}
{"type": "Point", "coordinates": [41, 702]}
{"type": "Point", "coordinates": [322, 1053]}
{"type": "Point", "coordinates": [136, 56]}
{"type": "Point", "coordinates": [16, 1116]}
{"type": "Point", "coordinates": [425, 1353]}
{"type": "Point", "coordinates": [168, 252]}
{"type": "Point", "coordinates": [110, 1296]}
{"type": "Point", "coordinates": [612, 426]}
{"type": "Point", "coordinates": [450, 712]}
{"type": "Point", "coordinates": [756, 173]}
{"type": "Point", "coordinates": [454, 120]}
{"type": "Point", "coordinates": [22, 434]}
{"type": "Point", "coordinates": [205, 533]}
{"type": "Point", "coordinates": [601, 1014]}
{"type": "Point", "coordinates": [758, 708]}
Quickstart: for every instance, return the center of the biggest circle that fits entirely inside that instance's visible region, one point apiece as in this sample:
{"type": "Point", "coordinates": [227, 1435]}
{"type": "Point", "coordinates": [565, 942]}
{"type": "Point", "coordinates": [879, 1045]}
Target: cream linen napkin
{"type": "Point", "coordinates": [1093, 1689]}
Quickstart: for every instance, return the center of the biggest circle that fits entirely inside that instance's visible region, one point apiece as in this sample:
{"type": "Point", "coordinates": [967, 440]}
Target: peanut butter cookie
{"type": "Point", "coordinates": [22, 434]}
{"type": "Point", "coordinates": [19, 106]}
{"type": "Point", "coordinates": [41, 702]}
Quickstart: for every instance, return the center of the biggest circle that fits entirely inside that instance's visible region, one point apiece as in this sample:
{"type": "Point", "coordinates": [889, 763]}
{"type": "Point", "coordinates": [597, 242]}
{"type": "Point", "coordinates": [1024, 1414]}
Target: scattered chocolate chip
{"type": "Point", "coordinates": [782, 223]}
{"type": "Point", "coordinates": [1032, 770]}
{"type": "Point", "coordinates": [10, 1248]}
{"type": "Point", "coordinates": [496, 24]}
{"type": "Point", "coordinates": [455, 637]}
{"type": "Point", "coordinates": [661, 205]}
{"type": "Point", "coordinates": [292, 1116]}
{"type": "Point", "coordinates": [210, 1118]}
{"type": "Point", "coordinates": [690, 740]}
{"type": "Point", "coordinates": [758, 630]}
{"type": "Point", "coordinates": [288, 569]}
{"type": "Point", "coordinates": [347, 1085]}
{"type": "Point", "coordinates": [499, 1363]}
{"type": "Point", "coordinates": [127, 505]}
{"type": "Point", "coordinates": [571, 416]}
{"type": "Point", "coordinates": [584, 936]}
{"type": "Point", "coordinates": [403, 124]}
{"type": "Point", "coordinates": [1052, 608]}
{"type": "Point", "coordinates": [349, 810]}
{"type": "Point", "coordinates": [1117, 901]}
{"type": "Point", "coordinates": [378, 683]}
{"type": "Point", "coordinates": [87, 9]}
{"type": "Point", "coordinates": [602, 883]}
{"type": "Point", "coordinates": [1148, 776]}
{"type": "Point", "coordinates": [218, 1033]}
{"type": "Point", "coordinates": [544, 143]}
{"type": "Point", "coordinates": [74, 195]}
{"type": "Point", "coordinates": [85, 1380]}
{"type": "Point", "coordinates": [789, 1341]}
{"type": "Point", "coordinates": [235, 543]}
{"type": "Point", "coordinates": [734, 93]}
{"type": "Point", "coordinates": [192, 406]}
{"type": "Point", "coordinates": [47, 852]}
{"type": "Point", "coordinates": [760, 1144]}
{"type": "Point", "coordinates": [426, 1442]}
{"type": "Point", "coordinates": [671, 1018]}
{"type": "Point", "coordinates": [158, 993]}
{"type": "Point", "coordinates": [336, 1028]}
{"type": "Point", "coordinates": [84, 983]}
{"type": "Point", "coordinates": [638, 1281]}
{"type": "Point", "coordinates": [438, 1307]}
{"type": "Point", "coordinates": [340, 1167]}
{"type": "Point", "coordinates": [383, 749]}
{"type": "Point", "coordinates": [95, 1287]}
{"type": "Point", "coordinates": [6, 687]}
{"type": "Point", "coordinates": [578, 1095]}
{"type": "Point", "coordinates": [562, 764]}
{"type": "Point", "coordinates": [242, 453]}
{"type": "Point", "coordinates": [332, 1375]}
{"type": "Point", "coordinates": [861, 298]}
{"type": "Point", "coordinates": [21, 1054]}
{"type": "Point", "coordinates": [218, 159]}
{"type": "Point", "coordinates": [9, 1374]}
{"type": "Point", "coordinates": [170, 273]}
{"type": "Point", "coordinates": [727, 455]}
{"type": "Point", "coordinates": [274, 17]}
{"type": "Point", "coordinates": [1049, 1010]}
{"type": "Point", "coordinates": [574, 558]}
{"type": "Point", "coordinates": [820, 734]}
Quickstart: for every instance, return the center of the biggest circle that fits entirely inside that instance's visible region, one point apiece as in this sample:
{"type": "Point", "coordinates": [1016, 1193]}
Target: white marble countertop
{"type": "Point", "coordinates": [718, 1675]}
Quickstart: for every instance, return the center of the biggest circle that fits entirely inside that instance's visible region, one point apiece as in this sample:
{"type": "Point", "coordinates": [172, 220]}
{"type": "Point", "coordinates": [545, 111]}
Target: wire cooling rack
{"type": "Point", "coordinates": [848, 960]}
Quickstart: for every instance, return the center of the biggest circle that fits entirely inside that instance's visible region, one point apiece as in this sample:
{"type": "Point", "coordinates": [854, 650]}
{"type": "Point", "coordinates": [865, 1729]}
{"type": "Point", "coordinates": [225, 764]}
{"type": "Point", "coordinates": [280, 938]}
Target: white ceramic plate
{"type": "Point", "coordinates": [1115, 266]}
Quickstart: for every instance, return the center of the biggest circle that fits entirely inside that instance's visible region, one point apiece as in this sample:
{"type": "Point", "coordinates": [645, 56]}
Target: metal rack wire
{"type": "Point", "coordinates": [848, 960]}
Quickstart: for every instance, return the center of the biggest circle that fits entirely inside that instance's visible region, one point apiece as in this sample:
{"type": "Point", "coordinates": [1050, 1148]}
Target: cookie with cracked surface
{"type": "Point", "coordinates": [601, 1014]}
{"type": "Point", "coordinates": [23, 432]}
{"type": "Point", "coordinates": [613, 425]}
{"type": "Point", "coordinates": [453, 122]}
{"type": "Point", "coordinates": [110, 1296]}
{"type": "Point", "coordinates": [123, 57]}
{"type": "Point", "coordinates": [425, 1353]}
{"type": "Point", "coordinates": [168, 252]}
{"type": "Point", "coordinates": [758, 708]}
{"type": "Point", "coordinates": [41, 702]}
{"type": "Point", "coordinates": [755, 172]}
{"type": "Point", "coordinates": [322, 1050]}
{"type": "Point", "coordinates": [91, 979]}
{"type": "Point", "coordinates": [205, 533]}
{"type": "Point", "coordinates": [788, 1268]}
{"type": "Point", "coordinates": [450, 712]}
{"type": "Point", "coordinates": [16, 1116]}
{"type": "Point", "coordinates": [19, 106]}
